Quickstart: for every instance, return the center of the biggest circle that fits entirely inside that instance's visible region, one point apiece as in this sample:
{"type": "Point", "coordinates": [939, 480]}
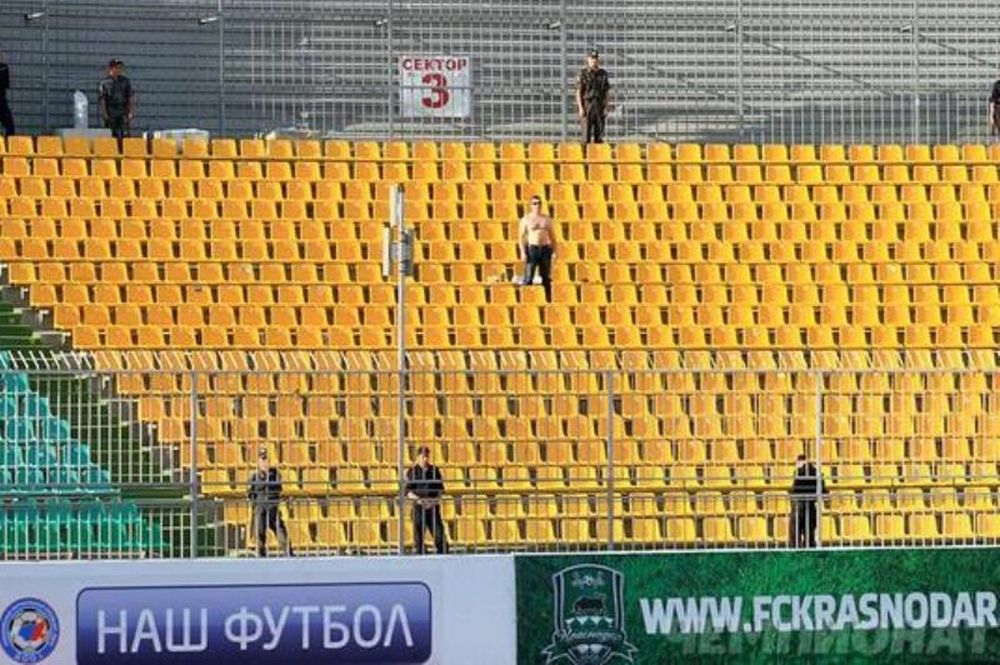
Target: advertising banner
{"type": "Point", "coordinates": [877, 606]}
{"type": "Point", "coordinates": [435, 86]}
{"type": "Point", "coordinates": [403, 610]}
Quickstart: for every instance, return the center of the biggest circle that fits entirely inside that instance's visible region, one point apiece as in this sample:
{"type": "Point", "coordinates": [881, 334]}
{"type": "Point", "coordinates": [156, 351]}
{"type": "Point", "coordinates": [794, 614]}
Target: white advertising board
{"type": "Point", "coordinates": [440, 610]}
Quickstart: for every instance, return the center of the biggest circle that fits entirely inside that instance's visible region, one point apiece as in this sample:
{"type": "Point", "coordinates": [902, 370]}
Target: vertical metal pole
{"type": "Point", "coordinates": [739, 65]}
{"type": "Point", "coordinates": [915, 54]}
{"type": "Point", "coordinates": [819, 459]}
{"type": "Point", "coordinates": [45, 67]}
{"type": "Point", "coordinates": [389, 68]}
{"type": "Point", "coordinates": [193, 477]}
{"type": "Point", "coordinates": [222, 69]}
{"type": "Point", "coordinates": [609, 378]}
{"type": "Point", "coordinates": [563, 73]}
{"type": "Point", "coordinates": [396, 211]}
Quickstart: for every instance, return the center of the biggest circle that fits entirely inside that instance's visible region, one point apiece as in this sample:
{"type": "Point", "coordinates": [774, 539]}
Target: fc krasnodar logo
{"type": "Point", "coordinates": [588, 617]}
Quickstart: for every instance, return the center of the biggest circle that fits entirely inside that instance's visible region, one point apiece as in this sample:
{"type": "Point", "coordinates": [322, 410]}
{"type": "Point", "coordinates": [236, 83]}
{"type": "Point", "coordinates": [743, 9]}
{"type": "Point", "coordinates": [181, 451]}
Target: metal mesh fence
{"type": "Point", "coordinates": [534, 456]}
{"type": "Point", "coordinates": [729, 71]}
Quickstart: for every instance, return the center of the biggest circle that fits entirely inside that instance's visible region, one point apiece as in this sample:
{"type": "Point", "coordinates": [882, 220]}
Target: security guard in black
{"type": "Point", "coordinates": [994, 116]}
{"type": "Point", "coordinates": [116, 99]}
{"type": "Point", "coordinates": [264, 492]}
{"type": "Point", "coordinates": [593, 97]}
{"type": "Point", "coordinates": [425, 485]}
{"type": "Point", "coordinates": [6, 117]}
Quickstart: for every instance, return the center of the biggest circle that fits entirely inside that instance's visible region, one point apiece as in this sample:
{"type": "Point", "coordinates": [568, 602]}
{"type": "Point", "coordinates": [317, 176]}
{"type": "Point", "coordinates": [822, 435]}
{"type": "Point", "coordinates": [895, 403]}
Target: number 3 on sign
{"type": "Point", "coordinates": [439, 95]}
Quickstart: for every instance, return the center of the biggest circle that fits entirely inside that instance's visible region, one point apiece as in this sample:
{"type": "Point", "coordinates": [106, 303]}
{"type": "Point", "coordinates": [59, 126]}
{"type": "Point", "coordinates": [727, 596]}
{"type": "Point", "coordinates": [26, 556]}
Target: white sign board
{"type": "Point", "coordinates": [435, 86]}
{"type": "Point", "coordinates": [436, 610]}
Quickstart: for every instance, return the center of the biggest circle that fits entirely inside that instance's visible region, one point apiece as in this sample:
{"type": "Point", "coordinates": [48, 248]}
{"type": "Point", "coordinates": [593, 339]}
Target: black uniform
{"type": "Point", "coordinates": [6, 117]}
{"type": "Point", "coordinates": [593, 86]}
{"type": "Point", "coordinates": [427, 484]}
{"type": "Point", "coordinates": [806, 489]}
{"type": "Point", "coordinates": [264, 493]}
{"type": "Point", "coordinates": [115, 98]}
{"type": "Point", "coordinates": [995, 100]}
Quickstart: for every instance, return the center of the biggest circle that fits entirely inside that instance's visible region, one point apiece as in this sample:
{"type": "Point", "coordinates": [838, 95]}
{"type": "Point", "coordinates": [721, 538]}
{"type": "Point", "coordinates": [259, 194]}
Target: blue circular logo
{"type": "Point", "coordinates": [29, 630]}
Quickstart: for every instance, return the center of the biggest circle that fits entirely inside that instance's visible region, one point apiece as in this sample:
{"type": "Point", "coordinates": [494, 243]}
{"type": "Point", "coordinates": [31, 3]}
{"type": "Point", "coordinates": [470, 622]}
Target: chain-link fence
{"type": "Point", "coordinates": [727, 71]}
{"type": "Point", "coordinates": [104, 460]}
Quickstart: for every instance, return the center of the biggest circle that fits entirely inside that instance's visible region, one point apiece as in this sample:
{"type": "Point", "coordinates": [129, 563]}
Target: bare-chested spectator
{"type": "Point", "coordinates": [537, 246]}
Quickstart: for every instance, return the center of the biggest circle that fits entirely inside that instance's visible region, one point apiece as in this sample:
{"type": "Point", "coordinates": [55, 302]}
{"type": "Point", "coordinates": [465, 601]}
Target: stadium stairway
{"type": "Point", "coordinates": [61, 453]}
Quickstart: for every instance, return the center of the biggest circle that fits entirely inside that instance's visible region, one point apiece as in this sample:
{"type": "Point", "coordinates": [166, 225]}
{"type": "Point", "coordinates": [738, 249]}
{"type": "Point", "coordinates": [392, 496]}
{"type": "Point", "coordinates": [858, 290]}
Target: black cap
{"type": "Point", "coordinates": [592, 53]}
{"type": "Point", "coordinates": [536, 199]}
{"type": "Point", "coordinates": [114, 62]}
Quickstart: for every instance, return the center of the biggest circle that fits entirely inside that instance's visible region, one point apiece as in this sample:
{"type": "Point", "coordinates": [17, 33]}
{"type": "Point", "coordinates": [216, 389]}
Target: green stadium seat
{"type": "Point", "coordinates": [20, 431]}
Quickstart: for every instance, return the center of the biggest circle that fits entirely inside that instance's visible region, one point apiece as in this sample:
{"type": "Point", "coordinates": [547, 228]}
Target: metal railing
{"type": "Point", "coordinates": [535, 455]}
{"type": "Point", "coordinates": [850, 71]}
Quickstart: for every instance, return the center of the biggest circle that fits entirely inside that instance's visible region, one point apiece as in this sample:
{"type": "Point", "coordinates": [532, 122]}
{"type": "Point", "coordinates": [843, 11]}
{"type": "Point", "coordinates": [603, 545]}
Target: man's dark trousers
{"type": "Point", "coordinates": [539, 258]}
{"type": "Point", "coordinates": [803, 522]}
{"type": "Point", "coordinates": [429, 518]}
{"type": "Point", "coordinates": [266, 518]}
{"type": "Point", "coordinates": [594, 122]}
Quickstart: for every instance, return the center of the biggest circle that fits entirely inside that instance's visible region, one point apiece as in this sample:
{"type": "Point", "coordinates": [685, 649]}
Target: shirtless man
{"type": "Point", "coordinates": [536, 246]}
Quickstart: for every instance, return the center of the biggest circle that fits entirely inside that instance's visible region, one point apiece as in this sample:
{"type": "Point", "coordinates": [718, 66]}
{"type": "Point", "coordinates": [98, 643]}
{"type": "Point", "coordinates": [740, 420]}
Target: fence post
{"type": "Point", "coordinates": [193, 473]}
{"type": "Point", "coordinates": [390, 67]}
{"type": "Point", "coordinates": [563, 71]}
{"type": "Point", "coordinates": [820, 376]}
{"type": "Point", "coordinates": [45, 67]}
{"type": "Point", "coordinates": [915, 54]}
{"type": "Point", "coordinates": [222, 69]}
{"type": "Point", "coordinates": [739, 65]}
{"type": "Point", "coordinates": [610, 382]}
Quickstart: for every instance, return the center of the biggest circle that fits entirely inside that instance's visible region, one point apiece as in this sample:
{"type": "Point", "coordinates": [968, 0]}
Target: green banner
{"type": "Point", "coordinates": [829, 606]}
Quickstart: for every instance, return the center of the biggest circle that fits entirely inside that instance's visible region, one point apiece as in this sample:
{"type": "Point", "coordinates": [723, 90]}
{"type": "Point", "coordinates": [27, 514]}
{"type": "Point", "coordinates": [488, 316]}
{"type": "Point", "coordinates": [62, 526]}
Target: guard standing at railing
{"type": "Point", "coordinates": [6, 117]}
{"type": "Point", "coordinates": [994, 118]}
{"type": "Point", "coordinates": [424, 486]}
{"type": "Point", "coordinates": [593, 98]}
{"type": "Point", "coordinates": [116, 100]}
{"type": "Point", "coordinates": [805, 493]}
{"type": "Point", "coordinates": [264, 493]}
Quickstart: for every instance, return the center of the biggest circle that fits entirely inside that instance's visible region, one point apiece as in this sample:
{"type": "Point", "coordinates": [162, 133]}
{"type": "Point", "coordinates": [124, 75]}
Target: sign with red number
{"type": "Point", "coordinates": [435, 86]}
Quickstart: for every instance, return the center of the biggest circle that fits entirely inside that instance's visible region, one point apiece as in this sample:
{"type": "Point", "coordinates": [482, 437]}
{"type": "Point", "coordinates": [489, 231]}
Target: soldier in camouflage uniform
{"type": "Point", "coordinates": [593, 98]}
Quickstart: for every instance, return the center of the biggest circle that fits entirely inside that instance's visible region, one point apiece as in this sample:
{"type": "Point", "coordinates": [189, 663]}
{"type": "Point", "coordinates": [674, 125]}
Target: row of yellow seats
{"type": "Point", "coordinates": [444, 240]}
{"type": "Point", "coordinates": [506, 194]}
{"type": "Point", "coordinates": [295, 242]}
{"type": "Point", "coordinates": [429, 150]}
{"type": "Point", "coordinates": [688, 433]}
{"type": "Point", "coordinates": [640, 418]}
{"type": "Point", "coordinates": [920, 455]}
{"type": "Point", "coordinates": [318, 481]}
{"type": "Point", "coordinates": [620, 302]}
{"type": "Point", "coordinates": [920, 341]}
{"type": "Point", "coordinates": [542, 371]}
{"type": "Point", "coordinates": [920, 460]}
{"type": "Point", "coordinates": [465, 282]}
{"type": "Point", "coordinates": [846, 456]}
{"type": "Point", "coordinates": [536, 174]}
{"type": "Point", "coordinates": [476, 534]}
{"type": "Point", "coordinates": [757, 325]}
{"type": "Point", "coordinates": [838, 219]}
{"type": "Point", "coordinates": [647, 289]}
{"type": "Point", "coordinates": [704, 503]}
{"type": "Point", "coordinates": [105, 305]}
{"type": "Point", "coordinates": [917, 259]}
{"type": "Point", "coordinates": [462, 384]}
